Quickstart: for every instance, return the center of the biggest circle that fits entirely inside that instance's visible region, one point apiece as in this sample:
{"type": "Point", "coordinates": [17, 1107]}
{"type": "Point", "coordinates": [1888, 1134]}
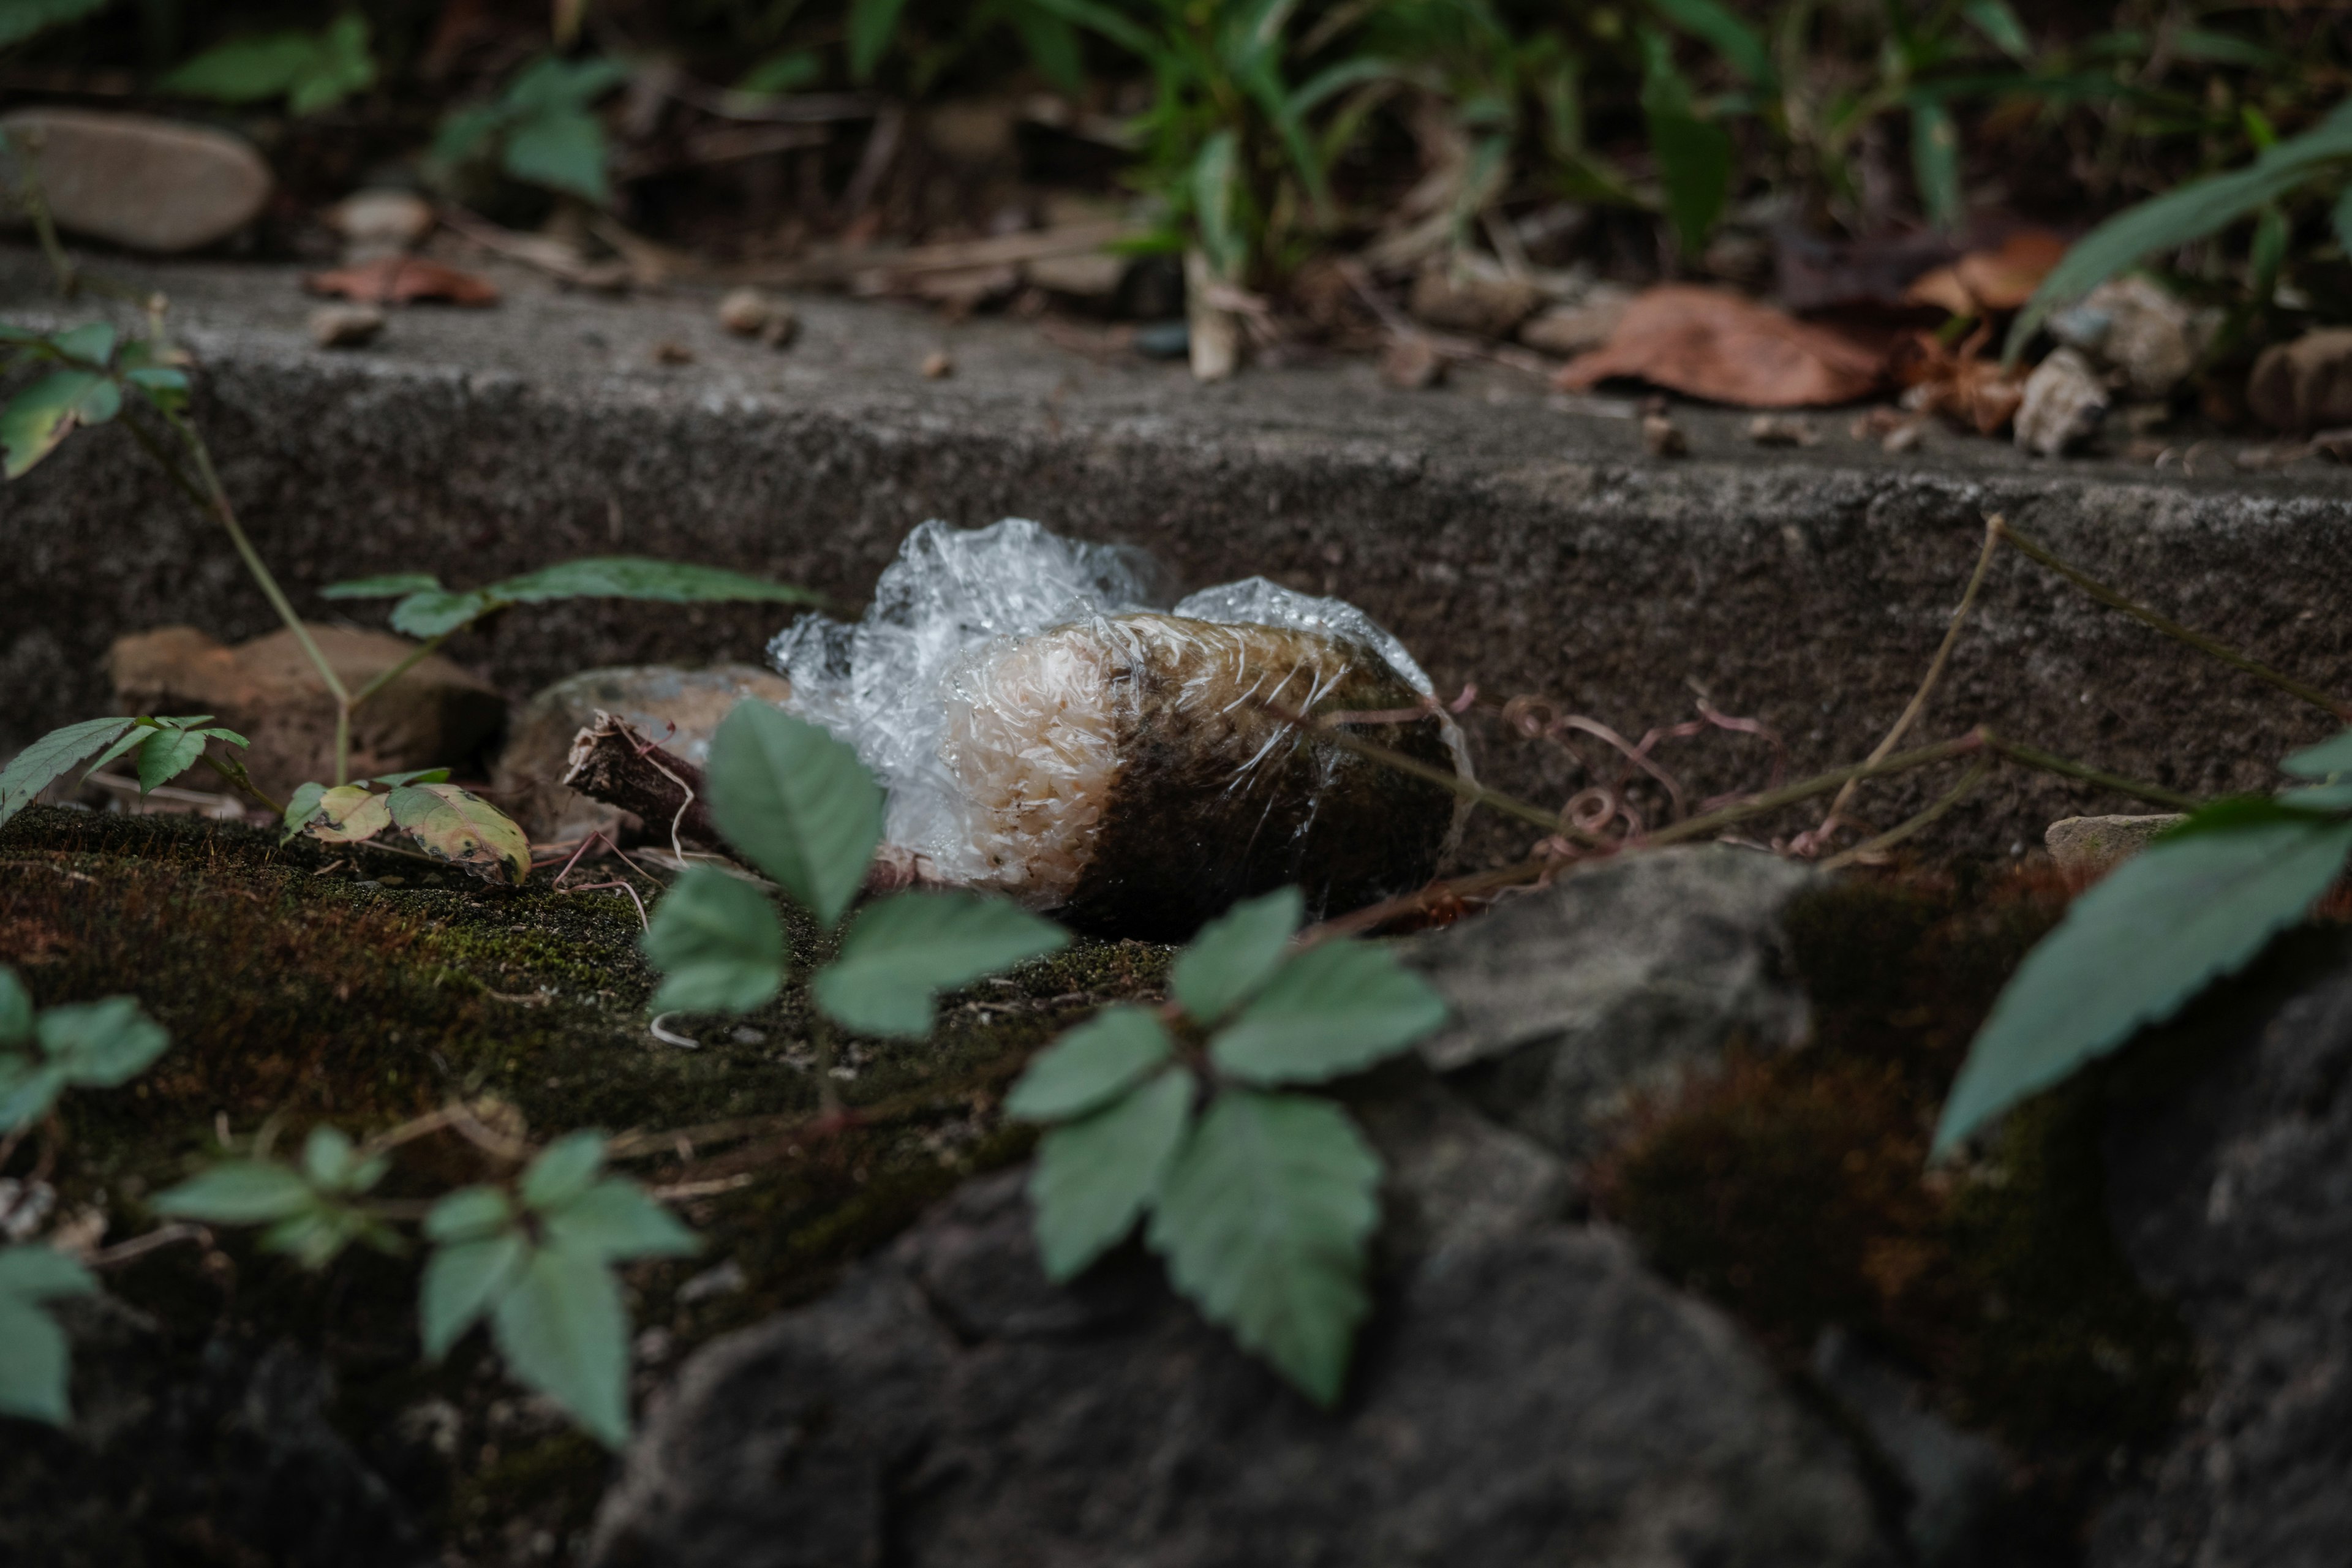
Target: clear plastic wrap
{"type": "Point", "coordinates": [1046, 731]}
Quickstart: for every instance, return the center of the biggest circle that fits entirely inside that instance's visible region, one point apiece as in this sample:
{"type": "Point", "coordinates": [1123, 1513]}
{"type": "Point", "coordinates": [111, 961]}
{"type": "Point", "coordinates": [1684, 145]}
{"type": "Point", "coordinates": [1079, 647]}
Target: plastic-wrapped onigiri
{"type": "Point", "coordinates": [1044, 732]}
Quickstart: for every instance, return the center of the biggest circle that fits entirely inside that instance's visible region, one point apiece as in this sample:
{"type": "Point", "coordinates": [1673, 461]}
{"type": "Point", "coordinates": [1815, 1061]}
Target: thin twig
{"type": "Point", "coordinates": [1994, 528]}
{"type": "Point", "coordinates": [1903, 830]}
{"type": "Point", "coordinates": [140, 1247]}
{"type": "Point", "coordinates": [2050, 762]}
{"type": "Point", "coordinates": [2171, 628]}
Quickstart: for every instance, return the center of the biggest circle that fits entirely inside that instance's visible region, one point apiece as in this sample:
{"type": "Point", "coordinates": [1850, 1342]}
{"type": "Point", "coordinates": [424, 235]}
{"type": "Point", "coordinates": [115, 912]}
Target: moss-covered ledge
{"type": "Point", "coordinates": [305, 984]}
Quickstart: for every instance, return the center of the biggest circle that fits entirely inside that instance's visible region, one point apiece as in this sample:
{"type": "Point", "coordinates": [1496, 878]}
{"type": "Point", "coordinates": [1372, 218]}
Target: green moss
{"type": "Point", "coordinates": [1795, 1191]}
{"type": "Point", "coordinates": [296, 992]}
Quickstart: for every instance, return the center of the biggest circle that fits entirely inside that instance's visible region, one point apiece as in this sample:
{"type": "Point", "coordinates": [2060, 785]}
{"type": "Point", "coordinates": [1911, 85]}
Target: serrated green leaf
{"type": "Point", "coordinates": [562, 1331]}
{"type": "Point", "coordinates": [48, 759]}
{"type": "Point", "coordinates": [798, 803]}
{"type": "Point", "coordinates": [1096, 1176]}
{"type": "Point", "coordinates": [718, 942]}
{"type": "Point", "coordinates": [902, 952]}
{"type": "Point", "coordinates": [468, 1214]}
{"type": "Point", "coordinates": [239, 1192]}
{"type": "Point", "coordinates": [1332, 1010]}
{"type": "Point", "coordinates": [92, 343]}
{"type": "Point", "coordinates": [300, 809]}
{"type": "Point", "coordinates": [613, 1220]}
{"type": "Point", "coordinates": [388, 586]}
{"type": "Point", "coordinates": [639, 577]}
{"type": "Point", "coordinates": [130, 741]}
{"type": "Point", "coordinates": [166, 754]}
{"type": "Point", "coordinates": [1101, 1058]}
{"type": "Point", "coordinates": [562, 1170]}
{"type": "Point", "coordinates": [34, 1354]}
{"type": "Point", "coordinates": [27, 1089]}
{"type": "Point", "coordinates": [1262, 1220]}
{"type": "Point", "coordinates": [349, 814]}
{"type": "Point", "coordinates": [42, 415]}
{"type": "Point", "coordinates": [463, 1281]}
{"type": "Point", "coordinates": [430, 613]}
{"type": "Point", "coordinates": [561, 148]}
{"type": "Point", "coordinates": [99, 1045]}
{"type": "Point", "coordinates": [459, 826]}
{"type": "Point", "coordinates": [16, 1010]}
{"type": "Point", "coordinates": [1235, 954]}
{"type": "Point", "coordinates": [2193, 906]}
{"type": "Point", "coordinates": [2323, 761]}
{"type": "Point", "coordinates": [871, 26]}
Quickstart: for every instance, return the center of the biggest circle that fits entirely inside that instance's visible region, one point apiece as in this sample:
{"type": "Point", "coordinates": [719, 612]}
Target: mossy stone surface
{"type": "Point", "coordinates": [305, 982]}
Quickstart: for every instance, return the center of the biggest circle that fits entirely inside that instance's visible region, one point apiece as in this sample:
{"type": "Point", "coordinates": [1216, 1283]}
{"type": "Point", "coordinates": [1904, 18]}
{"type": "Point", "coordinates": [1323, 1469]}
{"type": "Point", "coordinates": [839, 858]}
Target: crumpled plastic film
{"type": "Point", "coordinates": [1043, 732]}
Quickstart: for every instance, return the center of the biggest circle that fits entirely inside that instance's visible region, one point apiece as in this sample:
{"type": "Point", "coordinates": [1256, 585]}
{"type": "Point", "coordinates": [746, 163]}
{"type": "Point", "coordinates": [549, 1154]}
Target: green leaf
{"type": "Point", "coordinates": [638, 577]}
{"type": "Point", "coordinates": [561, 148]}
{"type": "Point", "coordinates": [466, 133]}
{"type": "Point", "coordinates": [1332, 1010]}
{"type": "Point", "coordinates": [414, 776]}
{"type": "Point", "coordinates": [27, 1089]}
{"type": "Point", "coordinates": [339, 67]}
{"type": "Point", "coordinates": [300, 809]}
{"type": "Point", "coordinates": [562, 1170]}
{"type": "Point", "coordinates": [871, 24]}
{"type": "Point", "coordinates": [1101, 1058]}
{"type": "Point", "coordinates": [904, 951]}
{"type": "Point", "coordinates": [166, 754]}
{"type": "Point", "coordinates": [34, 1354]}
{"type": "Point", "coordinates": [463, 1281]}
{"type": "Point", "coordinates": [1215, 188]}
{"type": "Point", "coordinates": [461, 827]}
{"type": "Point", "coordinates": [796, 801]}
{"type": "Point", "coordinates": [2189, 212]}
{"type": "Point", "coordinates": [92, 343]}
{"type": "Point", "coordinates": [552, 82]}
{"type": "Point", "coordinates": [16, 1010]}
{"type": "Point", "coordinates": [239, 1192]}
{"type": "Point", "coordinates": [1264, 1219]}
{"type": "Point", "coordinates": [99, 1045]}
{"type": "Point", "coordinates": [21, 19]}
{"type": "Point", "coordinates": [333, 1164]}
{"type": "Point", "coordinates": [349, 814]}
{"type": "Point", "coordinates": [778, 74]}
{"type": "Point", "coordinates": [468, 1214]}
{"type": "Point", "coordinates": [164, 386]}
{"type": "Point", "coordinates": [1693, 155]}
{"type": "Point", "coordinates": [1741, 46]}
{"type": "Point", "coordinates": [39, 417]}
{"type": "Point", "coordinates": [429, 613]}
{"type": "Point", "coordinates": [316, 1233]}
{"type": "Point", "coordinates": [2000, 25]}
{"type": "Point", "coordinates": [562, 1331]}
{"type": "Point", "coordinates": [1053, 45]}
{"type": "Point", "coordinates": [48, 759]}
{"type": "Point", "coordinates": [717, 943]}
{"type": "Point", "coordinates": [390, 586]}
{"type": "Point", "coordinates": [1936, 162]}
{"type": "Point", "coordinates": [1095, 1175]}
{"type": "Point", "coordinates": [244, 71]}
{"type": "Point", "coordinates": [1235, 954]}
{"type": "Point", "coordinates": [2195, 905]}
{"type": "Point", "coordinates": [2323, 761]}
{"type": "Point", "coordinates": [615, 1220]}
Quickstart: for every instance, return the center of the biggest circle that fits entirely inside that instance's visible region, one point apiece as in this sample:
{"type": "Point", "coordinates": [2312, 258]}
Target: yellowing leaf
{"type": "Point", "coordinates": [461, 827]}
{"type": "Point", "coordinates": [348, 814]}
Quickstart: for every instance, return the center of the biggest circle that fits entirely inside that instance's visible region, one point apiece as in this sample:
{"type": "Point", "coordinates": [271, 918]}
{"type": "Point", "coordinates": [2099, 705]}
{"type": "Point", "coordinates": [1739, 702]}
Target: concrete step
{"type": "Point", "coordinates": [1511, 538]}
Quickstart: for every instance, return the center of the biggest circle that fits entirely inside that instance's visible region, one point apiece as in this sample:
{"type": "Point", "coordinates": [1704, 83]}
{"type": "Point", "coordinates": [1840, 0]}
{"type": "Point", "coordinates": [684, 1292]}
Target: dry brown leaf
{"type": "Point", "coordinates": [1985, 281]}
{"type": "Point", "coordinates": [1707, 343]}
{"type": "Point", "coordinates": [1958, 385]}
{"type": "Point", "coordinates": [402, 280]}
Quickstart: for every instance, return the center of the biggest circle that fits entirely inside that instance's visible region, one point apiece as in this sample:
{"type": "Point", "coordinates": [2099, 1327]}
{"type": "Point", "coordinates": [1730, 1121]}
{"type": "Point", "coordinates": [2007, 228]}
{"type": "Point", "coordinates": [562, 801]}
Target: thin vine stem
{"type": "Point", "coordinates": [1959, 792]}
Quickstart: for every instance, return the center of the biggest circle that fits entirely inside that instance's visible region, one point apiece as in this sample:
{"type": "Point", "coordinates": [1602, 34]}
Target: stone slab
{"type": "Point", "coordinates": [1507, 541]}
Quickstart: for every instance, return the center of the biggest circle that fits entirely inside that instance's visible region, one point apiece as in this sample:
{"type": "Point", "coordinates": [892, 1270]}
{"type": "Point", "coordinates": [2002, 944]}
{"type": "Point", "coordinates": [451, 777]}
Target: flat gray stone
{"type": "Point", "coordinates": [1624, 977]}
{"type": "Point", "coordinates": [1528, 1399]}
{"type": "Point", "coordinates": [1508, 540]}
{"type": "Point", "coordinates": [2088, 846]}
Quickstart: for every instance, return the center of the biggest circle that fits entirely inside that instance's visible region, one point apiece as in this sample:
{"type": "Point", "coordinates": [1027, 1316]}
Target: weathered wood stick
{"type": "Point", "coordinates": [614, 762]}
